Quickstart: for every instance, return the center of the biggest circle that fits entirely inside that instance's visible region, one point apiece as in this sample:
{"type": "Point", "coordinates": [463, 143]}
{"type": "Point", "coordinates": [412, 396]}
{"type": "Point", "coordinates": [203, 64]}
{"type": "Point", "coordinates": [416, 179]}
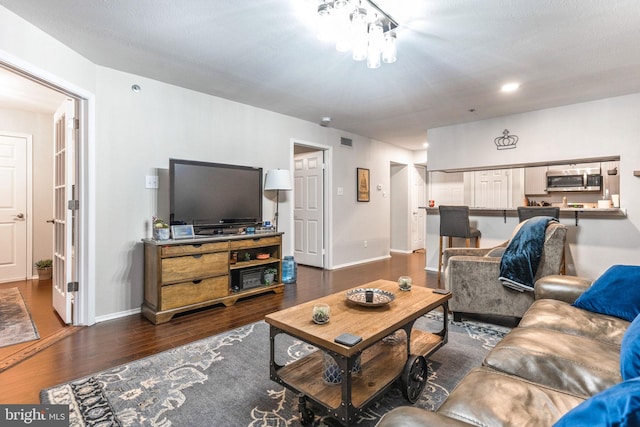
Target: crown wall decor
{"type": "Point", "coordinates": [506, 141]}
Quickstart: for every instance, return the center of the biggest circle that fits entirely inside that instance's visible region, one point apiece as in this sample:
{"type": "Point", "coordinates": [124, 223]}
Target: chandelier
{"type": "Point", "coordinates": [361, 27]}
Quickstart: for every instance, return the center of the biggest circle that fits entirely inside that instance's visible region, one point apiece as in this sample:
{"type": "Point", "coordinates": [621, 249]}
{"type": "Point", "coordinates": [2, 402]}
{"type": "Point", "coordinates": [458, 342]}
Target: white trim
{"type": "Point", "coordinates": [364, 261]}
{"type": "Point", "coordinates": [401, 251]}
{"type": "Point", "coordinates": [29, 213]}
{"type": "Point", "coordinates": [28, 268]}
{"type": "Point", "coordinates": [84, 309]}
{"type": "Point", "coordinates": [327, 185]}
{"type": "Point", "coordinates": [118, 315]}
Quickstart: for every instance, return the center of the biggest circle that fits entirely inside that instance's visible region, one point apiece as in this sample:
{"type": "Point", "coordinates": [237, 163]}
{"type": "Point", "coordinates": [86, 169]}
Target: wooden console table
{"type": "Point", "coordinates": [184, 275]}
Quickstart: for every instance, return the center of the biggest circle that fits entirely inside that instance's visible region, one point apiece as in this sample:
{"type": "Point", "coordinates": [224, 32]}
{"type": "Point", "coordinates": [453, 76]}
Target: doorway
{"type": "Point", "coordinates": [29, 93]}
{"type": "Point", "coordinates": [310, 204]}
{"type": "Point", "coordinates": [15, 205]}
{"type": "Point", "coordinates": [408, 188]}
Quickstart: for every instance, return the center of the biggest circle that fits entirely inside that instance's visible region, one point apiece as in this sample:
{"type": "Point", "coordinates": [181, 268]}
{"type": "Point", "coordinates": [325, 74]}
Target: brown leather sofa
{"type": "Point", "coordinates": [557, 357]}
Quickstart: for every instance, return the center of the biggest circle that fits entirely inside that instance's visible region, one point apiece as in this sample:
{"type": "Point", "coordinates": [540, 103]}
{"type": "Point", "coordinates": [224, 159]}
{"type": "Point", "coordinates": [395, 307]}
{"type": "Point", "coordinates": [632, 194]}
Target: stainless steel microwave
{"type": "Point", "coordinates": [582, 179]}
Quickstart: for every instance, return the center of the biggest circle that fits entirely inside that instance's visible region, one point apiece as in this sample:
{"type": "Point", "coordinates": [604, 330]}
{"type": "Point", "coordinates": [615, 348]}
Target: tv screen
{"type": "Point", "coordinates": [214, 195]}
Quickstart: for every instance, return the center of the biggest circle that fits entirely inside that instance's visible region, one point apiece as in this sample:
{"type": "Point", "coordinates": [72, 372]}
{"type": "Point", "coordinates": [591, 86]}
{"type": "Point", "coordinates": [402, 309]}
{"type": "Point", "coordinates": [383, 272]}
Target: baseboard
{"type": "Point", "coordinates": [118, 315]}
{"type": "Point", "coordinates": [364, 261]}
{"type": "Point", "coordinates": [401, 251]}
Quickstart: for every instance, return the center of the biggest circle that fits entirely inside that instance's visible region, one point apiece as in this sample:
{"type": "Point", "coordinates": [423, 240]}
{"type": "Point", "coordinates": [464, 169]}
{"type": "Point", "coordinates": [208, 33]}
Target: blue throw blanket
{"type": "Point", "coordinates": [520, 260]}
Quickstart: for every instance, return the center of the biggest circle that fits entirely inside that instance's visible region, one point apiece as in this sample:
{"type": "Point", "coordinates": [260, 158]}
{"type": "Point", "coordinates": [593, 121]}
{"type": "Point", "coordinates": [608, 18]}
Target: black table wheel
{"type": "Point", "coordinates": [414, 378]}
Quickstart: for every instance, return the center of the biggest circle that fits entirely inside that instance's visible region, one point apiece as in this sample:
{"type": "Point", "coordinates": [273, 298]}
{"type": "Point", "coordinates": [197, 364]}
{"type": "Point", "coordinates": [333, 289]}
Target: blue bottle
{"type": "Point", "coordinates": [289, 270]}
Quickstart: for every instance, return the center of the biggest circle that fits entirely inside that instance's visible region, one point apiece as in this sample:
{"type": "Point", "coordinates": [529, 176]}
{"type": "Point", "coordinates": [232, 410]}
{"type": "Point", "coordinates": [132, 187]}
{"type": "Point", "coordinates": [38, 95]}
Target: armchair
{"type": "Point", "coordinates": [472, 276]}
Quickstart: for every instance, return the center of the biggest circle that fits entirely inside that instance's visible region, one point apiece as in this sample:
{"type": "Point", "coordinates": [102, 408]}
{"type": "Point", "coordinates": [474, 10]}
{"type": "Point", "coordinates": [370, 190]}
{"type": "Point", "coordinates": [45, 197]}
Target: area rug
{"type": "Point", "coordinates": [224, 381]}
{"type": "Point", "coordinates": [16, 325]}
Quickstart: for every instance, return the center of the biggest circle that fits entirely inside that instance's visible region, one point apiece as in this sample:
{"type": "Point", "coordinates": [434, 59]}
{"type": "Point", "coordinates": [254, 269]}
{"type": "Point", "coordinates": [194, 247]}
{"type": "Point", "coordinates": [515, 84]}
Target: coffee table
{"type": "Point", "coordinates": [391, 349]}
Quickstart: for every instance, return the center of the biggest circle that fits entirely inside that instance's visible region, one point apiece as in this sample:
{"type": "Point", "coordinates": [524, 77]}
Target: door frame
{"type": "Point", "coordinates": [326, 194]}
{"type": "Point", "coordinates": [84, 306]}
{"type": "Point", "coordinates": [28, 268]}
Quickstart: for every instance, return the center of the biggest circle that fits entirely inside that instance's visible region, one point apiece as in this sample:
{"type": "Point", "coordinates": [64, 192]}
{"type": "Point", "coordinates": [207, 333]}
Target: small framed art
{"type": "Point", "coordinates": [362, 184]}
{"type": "Point", "coordinates": [182, 232]}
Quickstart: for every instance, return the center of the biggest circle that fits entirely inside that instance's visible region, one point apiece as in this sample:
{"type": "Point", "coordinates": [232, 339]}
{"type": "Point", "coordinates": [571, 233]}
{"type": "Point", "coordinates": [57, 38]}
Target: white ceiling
{"type": "Point", "coordinates": [19, 93]}
{"type": "Point", "coordinates": [453, 56]}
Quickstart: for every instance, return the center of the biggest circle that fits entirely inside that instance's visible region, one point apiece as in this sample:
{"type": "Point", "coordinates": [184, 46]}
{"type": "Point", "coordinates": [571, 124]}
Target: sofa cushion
{"type": "Point", "coordinates": [486, 397]}
{"type": "Point", "coordinates": [616, 293]}
{"type": "Point", "coordinates": [569, 363]}
{"type": "Point", "coordinates": [553, 314]}
{"type": "Point", "coordinates": [630, 351]}
{"type": "Point", "coordinates": [617, 406]}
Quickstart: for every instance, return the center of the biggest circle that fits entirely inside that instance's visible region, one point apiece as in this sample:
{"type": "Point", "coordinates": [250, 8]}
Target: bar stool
{"type": "Point", "coordinates": [526, 212]}
{"type": "Point", "coordinates": [454, 222]}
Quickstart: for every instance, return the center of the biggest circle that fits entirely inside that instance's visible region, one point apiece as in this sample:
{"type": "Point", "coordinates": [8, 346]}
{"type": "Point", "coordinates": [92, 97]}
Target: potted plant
{"type": "Point", "coordinates": [160, 229]}
{"type": "Point", "coordinates": [269, 275]}
{"type": "Point", "coordinates": [44, 267]}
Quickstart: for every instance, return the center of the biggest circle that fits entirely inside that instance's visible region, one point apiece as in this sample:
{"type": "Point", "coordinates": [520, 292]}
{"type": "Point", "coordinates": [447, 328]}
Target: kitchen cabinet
{"type": "Point", "coordinates": [535, 180]}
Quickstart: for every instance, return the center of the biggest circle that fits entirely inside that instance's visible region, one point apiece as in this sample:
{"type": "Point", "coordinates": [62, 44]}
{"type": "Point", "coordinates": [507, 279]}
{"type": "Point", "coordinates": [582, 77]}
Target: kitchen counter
{"type": "Point", "coordinates": [568, 212]}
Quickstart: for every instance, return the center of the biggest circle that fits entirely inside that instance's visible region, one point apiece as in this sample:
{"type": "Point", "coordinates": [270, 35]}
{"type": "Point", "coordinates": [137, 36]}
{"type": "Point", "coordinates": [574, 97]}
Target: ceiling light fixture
{"type": "Point", "coordinates": [361, 27]}
{"type": "Point", "coordinates": [510, 87]}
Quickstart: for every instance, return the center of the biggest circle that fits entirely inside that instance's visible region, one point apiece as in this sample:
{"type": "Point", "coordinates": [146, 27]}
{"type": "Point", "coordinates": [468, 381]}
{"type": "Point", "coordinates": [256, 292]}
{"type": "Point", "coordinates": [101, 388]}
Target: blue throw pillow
{"type": "Point", "coordinates": [616, 406]}
{"type": "Point", "coordinates": [615, 293]}
{"type": "Point", "coordinates": [630, 351]}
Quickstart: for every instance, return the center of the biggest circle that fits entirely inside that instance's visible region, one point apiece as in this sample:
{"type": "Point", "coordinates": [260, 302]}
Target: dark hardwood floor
{"type": "Point", "coordinates": [119, 341]}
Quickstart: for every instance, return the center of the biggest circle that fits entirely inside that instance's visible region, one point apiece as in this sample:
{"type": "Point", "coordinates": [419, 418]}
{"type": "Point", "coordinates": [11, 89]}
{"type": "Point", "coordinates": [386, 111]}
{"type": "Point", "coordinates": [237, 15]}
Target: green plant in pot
{"type": "Point", "coordinates": [44, 267]}
{"type": "Point", "coordinates": [269, 275]}
{"type": "Point", "coordinates": [160, 229]}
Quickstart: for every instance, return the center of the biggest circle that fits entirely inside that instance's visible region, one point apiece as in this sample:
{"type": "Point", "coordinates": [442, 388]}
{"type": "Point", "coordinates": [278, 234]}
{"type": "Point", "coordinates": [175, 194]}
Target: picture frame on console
{"type": "Point", "coordinates": [182, 232]}
{"type": "Point", "coordinates": [362, 184]}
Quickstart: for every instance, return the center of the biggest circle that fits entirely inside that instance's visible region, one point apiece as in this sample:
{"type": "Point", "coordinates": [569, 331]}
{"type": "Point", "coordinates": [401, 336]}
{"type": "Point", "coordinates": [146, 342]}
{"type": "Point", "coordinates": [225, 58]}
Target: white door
{"type": "Point", "coordinates": [419, 197]}
{"type": "Point", "coordinates": [64, 211]}
{"type": "Point", "coordinates": [492, 189]}
{"type": "Point", "coordinates": [308, 189]}
{"type": "Point", "coordinates": [14, 192]}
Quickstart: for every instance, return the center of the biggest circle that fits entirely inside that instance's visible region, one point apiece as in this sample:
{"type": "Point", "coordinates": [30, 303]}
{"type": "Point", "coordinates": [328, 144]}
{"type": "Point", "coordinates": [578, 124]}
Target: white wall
{"type": "Point", "coordinates": [40, 127]}
{"type": "Point", "coordinates": [137, 133]}
{"type": "Point", "coordinates": [607, 127]}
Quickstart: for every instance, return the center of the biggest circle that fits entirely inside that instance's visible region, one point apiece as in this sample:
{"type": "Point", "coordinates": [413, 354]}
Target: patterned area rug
{"type": "Point", "coordinates": [224, 381]}
{"type": "Point", "coordinates": [16, 325]}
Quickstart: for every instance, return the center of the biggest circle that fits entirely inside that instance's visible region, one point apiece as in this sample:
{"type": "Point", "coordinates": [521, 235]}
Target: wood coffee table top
{"type": "Point", "coordinates": [371, 323]}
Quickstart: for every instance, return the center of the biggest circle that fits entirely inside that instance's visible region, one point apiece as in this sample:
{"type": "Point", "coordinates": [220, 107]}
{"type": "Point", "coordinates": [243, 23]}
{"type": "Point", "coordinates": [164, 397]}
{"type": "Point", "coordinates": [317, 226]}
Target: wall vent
{"type": "Point", "coordinates": [346, 142]}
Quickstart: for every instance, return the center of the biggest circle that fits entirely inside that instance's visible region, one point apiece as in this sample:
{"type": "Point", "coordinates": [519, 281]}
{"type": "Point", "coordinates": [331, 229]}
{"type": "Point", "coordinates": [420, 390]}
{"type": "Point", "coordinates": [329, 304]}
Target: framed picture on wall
{"type": "Point", "coordinates": [362, 184]}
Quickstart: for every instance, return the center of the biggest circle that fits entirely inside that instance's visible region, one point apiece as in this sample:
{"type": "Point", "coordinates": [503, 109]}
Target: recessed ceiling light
{"type": "Point", "coordinates": [425, 144]}
{"type": "Point", "coordinates": [510, 87]}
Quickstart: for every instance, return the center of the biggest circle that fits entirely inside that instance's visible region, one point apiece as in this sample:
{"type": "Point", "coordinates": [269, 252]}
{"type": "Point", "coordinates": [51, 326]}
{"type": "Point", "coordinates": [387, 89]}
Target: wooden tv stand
{"type": "Point", "coordinates": [184, 275]}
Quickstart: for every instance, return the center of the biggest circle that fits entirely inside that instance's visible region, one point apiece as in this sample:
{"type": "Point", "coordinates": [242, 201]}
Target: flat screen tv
{"type": "Point", "coordinates": [213, 196]}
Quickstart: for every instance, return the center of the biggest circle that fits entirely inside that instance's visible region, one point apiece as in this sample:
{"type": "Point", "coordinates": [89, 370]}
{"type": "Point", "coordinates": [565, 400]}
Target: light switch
{"type": "Point", "coordinates": [340, 191]}
{"type": "Point", "coordinates": [151, 181]}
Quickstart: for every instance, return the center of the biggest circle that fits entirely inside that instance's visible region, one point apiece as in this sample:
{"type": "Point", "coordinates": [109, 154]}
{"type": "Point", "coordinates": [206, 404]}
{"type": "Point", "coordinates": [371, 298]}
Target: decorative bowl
{"type": "Point", "coordinates": [380, 297]}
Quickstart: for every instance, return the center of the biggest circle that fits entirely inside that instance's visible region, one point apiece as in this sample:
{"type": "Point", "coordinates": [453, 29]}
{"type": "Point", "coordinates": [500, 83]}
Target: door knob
{"type": "Point", "coordinates": [51, 221]}
{"type": "Point", "coordinates": [20, 216]}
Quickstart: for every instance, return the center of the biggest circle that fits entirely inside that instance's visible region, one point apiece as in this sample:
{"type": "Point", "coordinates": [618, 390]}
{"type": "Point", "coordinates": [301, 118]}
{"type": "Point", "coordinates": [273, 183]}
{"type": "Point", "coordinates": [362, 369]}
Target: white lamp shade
{"type": "Point", "coordinates": [277, 179]}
